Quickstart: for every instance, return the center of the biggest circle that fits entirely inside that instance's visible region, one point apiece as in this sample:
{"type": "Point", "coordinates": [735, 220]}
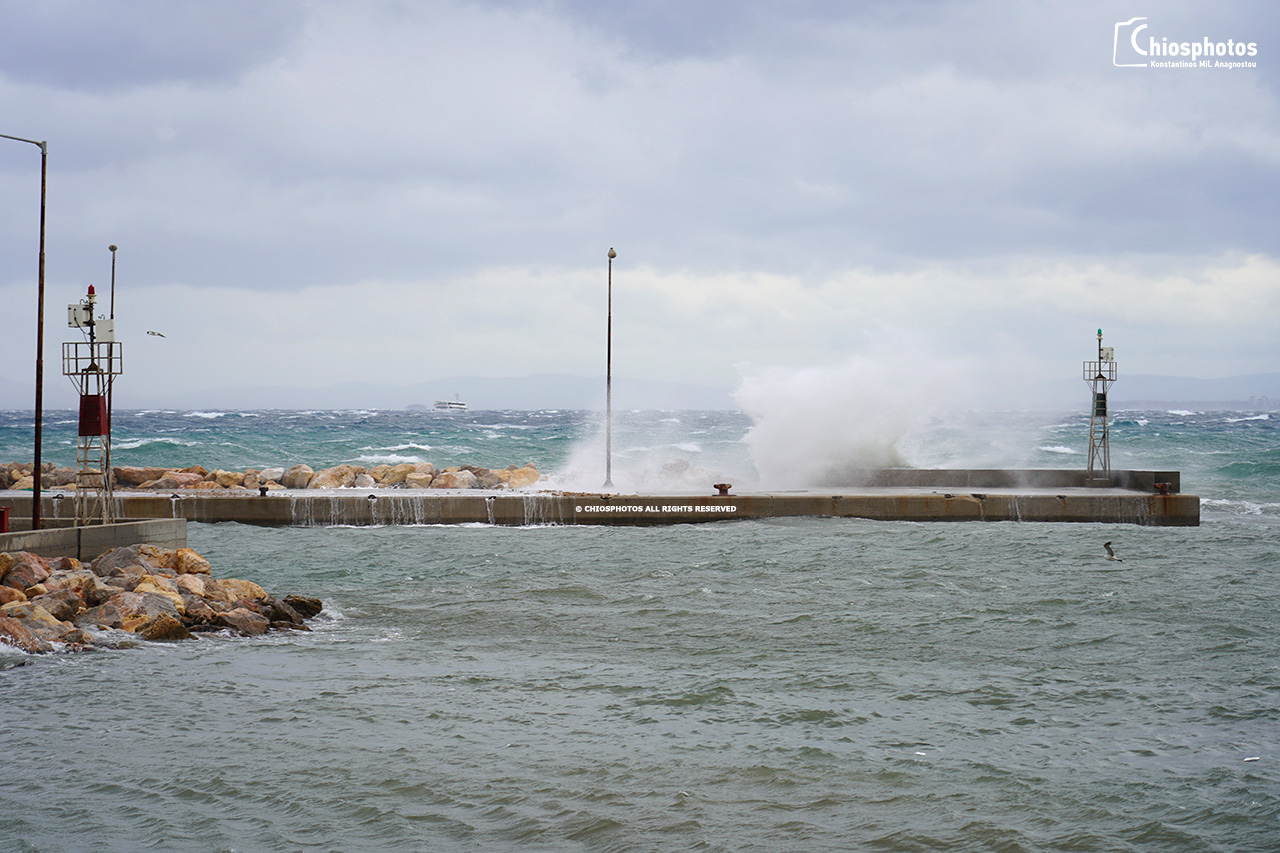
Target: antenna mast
{"type": "Point", "coordinates": [92, 366]}
{"type": "Point", "coordinates": [1100, 375]}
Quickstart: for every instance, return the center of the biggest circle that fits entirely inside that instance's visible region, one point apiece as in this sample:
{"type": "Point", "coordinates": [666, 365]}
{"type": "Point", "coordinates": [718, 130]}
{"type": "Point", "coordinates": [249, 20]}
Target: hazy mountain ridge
{"type": "Point", "coordinates": [565, 391]}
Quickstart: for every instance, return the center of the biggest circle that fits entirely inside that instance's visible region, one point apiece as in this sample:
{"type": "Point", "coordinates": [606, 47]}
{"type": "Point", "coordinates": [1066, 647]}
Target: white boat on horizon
{"type": "Point", "coordinates": [450, 406]}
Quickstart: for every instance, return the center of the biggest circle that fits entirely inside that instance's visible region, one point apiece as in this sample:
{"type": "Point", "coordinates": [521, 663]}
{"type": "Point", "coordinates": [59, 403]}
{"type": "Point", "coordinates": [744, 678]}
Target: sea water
{"type": "Point", "coordinates": [788, 684]}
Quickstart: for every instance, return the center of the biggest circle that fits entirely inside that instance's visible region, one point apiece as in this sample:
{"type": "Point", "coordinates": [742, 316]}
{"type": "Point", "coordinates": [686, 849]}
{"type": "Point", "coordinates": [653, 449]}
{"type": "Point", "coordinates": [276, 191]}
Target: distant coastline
{"type": "Point", "coordinates": [565, 392]}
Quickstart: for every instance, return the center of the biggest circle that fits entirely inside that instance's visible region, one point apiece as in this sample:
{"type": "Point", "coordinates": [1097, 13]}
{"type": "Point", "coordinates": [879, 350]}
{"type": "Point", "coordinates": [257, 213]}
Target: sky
{"type": "Point", "coordinates": [938, 193]}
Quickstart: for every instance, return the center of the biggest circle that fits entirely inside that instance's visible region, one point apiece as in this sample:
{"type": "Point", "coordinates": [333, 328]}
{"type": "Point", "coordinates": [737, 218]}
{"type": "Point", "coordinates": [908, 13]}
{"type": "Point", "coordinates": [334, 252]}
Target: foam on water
{"type": "Point", "coordinates": [798, 684]}
{"type": "Point", "coordinates": [747, 685]}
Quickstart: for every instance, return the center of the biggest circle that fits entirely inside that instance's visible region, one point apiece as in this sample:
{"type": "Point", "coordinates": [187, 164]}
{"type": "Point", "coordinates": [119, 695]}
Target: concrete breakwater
{"type": "Point", "coordinates": [19, 476]}
{"type": "Point", "coordinates": [142, 591]}
{"type": "Point", "coordinates": [959, 496]}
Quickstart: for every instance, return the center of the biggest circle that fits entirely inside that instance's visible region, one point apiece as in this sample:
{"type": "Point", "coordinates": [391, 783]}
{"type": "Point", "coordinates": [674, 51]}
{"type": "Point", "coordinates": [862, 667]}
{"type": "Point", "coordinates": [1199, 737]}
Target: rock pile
{"type": "Point", "coordinates": [149, 592]}
{"type": "Point", "coordinates": [422, 475]}
{"type": "Point", "coordinates": [19, 476]}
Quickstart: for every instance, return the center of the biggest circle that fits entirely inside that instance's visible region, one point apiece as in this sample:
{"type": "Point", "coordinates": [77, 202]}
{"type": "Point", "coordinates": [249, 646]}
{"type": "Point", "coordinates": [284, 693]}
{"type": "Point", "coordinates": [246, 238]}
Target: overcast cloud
{"type": "Point", "coordinates": [315, 192]}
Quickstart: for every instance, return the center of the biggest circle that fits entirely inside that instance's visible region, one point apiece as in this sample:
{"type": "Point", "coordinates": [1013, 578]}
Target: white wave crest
{"type": "Point", "coordinates": [134, 444]}
{"type": "Point", "coordinates": [389, 459]}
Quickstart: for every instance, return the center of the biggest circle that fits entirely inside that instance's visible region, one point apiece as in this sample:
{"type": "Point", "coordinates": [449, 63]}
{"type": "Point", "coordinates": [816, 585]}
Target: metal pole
{"type": "Point", "coordinates": [112, 249]}
{"type": "Point", "coordinates": [111, 387]}
{"type": "Point", "coordinates": [39, 439]}
{"type": "Point", "coordinates": [608, 384]}
{"type": "Point", "coordinates": [39, 436]}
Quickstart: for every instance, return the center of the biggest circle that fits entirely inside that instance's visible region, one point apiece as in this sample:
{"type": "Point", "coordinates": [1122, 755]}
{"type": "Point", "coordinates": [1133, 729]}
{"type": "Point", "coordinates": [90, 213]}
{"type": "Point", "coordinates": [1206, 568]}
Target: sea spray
{"type": "Point", "coordinates": [831, 425]}
{"type": "Point", "coordinates": [654, 452]}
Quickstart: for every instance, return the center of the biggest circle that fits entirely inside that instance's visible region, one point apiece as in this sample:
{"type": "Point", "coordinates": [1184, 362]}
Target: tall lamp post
{"type": "Point", "coordinates": [608, 384]}
{"type": "Point", "coordinates": [35, 475]}
{"type": "Point", "coordinates": [106, 464]}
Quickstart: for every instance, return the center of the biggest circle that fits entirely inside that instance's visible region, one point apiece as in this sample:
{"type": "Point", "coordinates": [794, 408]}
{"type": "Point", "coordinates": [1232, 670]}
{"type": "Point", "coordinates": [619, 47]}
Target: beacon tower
{"type": "Point", "coordinates": [92, 365]}
{"type": "Point", "coordinates": [1100, 375]}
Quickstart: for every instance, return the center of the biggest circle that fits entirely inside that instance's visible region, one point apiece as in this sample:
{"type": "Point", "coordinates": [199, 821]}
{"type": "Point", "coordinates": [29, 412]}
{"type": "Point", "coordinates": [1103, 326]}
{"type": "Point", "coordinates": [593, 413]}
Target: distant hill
{"type": "Point", "coordinates": [565, 391]}
{"type": "Point", "coordinates": [538, 391]}
{"type": "Point", "coordinates": [1261, 391]}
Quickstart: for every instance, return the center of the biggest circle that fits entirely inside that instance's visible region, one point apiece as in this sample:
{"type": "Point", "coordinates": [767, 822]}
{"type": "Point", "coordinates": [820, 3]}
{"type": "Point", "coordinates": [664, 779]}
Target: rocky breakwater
{"type": "Point", "coordinates": [20, 476]}
{"type": "Point", "coordinates": [137, 592]}
{"type": "Point", "coordinates": [421, 475]}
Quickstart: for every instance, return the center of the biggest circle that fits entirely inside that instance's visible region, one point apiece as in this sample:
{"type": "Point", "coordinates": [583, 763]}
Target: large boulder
{"type": "Point", "coordinates": [522, 478]}
{"type": "Point", "coordinates": [415, 480]}
{"type": "Point", "coordinates": [392, 475]}
{"type": "Point", "coordinates": [161, 558]}
{"type": "Point", "coordinates": [45, 625]}
{"type": "Point", "coordinates": [226, 479]}
{"type": "Point", "coordinates": [164, 628]}
{"type": "Point", "coordinates": [61, 604]}
{"type": "Point", "coordinates": [175, 480]}
{"type": "Point", "coordinates": [187, 562]}
{"type": "Point", "coordinates": [270, 475]}
{"type": "Point", "coordinates": [127, 561]}
{"type": "Point", "coordinates": [485, 479]}
{"type": "Point", "coordinates": [161, 585]}
{"type": "Point", "coordinates": [129, 475]}
{"type": "Point", "coordinates": [231, 590]}
{"type": "Point", "coordinates": [198, 611]}
{"type": "Point", "coordinates": [81, 581]}
{"type": "Point", "coordinates": [191, 583]}
{"type": "Point", "coordinates": [337, 477]}
{"type": "Point", "coordinates": [35, 617]}
{"type": "Point", "coordinates": [298, 477]}
{"type": "Point", "coordinates": [244, 621]}
{"type": "Point", "coordinates": [454, 479]}
{"type": "Point", "coordinates": [22, 569]}
{"type": "Point", "coordinates": [129, 611]}
{"type": "Point", "coordinates": [15, 632]}
{"type": "Point", "coordinates": [306, 607]}
{"type": "Point", "coordinates": [279, 612]}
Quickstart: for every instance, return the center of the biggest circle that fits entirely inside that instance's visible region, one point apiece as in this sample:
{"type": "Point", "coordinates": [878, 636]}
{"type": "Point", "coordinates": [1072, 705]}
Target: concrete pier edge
{"type": "Point", "coordinates": [87, 542]}
{"type": "Point", "coordinates": [1150, 498]}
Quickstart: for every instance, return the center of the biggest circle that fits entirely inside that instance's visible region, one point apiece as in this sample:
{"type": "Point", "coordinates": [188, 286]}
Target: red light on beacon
{"type": "Point", "coordinates": [91, 290]}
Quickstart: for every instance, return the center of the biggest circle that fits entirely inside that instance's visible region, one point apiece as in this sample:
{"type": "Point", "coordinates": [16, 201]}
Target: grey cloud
{"type": "Point", "coordinates": [100, 46]}
{"type": "Point", "coordinates": [806, 136]}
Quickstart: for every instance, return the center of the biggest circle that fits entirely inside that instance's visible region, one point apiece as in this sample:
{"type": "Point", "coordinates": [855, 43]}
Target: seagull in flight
{"type": "Point", "coordinates": [1111, 555]}
{"type": "Point", "coordinates": [157, 334]}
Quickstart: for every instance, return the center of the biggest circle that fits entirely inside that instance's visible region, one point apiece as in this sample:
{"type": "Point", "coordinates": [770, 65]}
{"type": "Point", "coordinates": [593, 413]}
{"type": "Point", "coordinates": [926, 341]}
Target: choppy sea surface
{"type": "Point", "coordinates": [792, 684]}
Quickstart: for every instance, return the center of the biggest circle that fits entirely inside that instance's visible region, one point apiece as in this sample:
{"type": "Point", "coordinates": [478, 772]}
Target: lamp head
{"type": "Point", "coordinates": [612, 254]}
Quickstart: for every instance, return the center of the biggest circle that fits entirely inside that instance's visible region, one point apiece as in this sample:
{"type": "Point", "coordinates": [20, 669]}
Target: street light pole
{"type": "Point", "coordinates": [111, 412]}
{"type": "Point", "coordinates": [608, 384]}
{"type": "Point", "coordinates": [112, 250]}
{"type": "Point", "coordinates": [35, 474]}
